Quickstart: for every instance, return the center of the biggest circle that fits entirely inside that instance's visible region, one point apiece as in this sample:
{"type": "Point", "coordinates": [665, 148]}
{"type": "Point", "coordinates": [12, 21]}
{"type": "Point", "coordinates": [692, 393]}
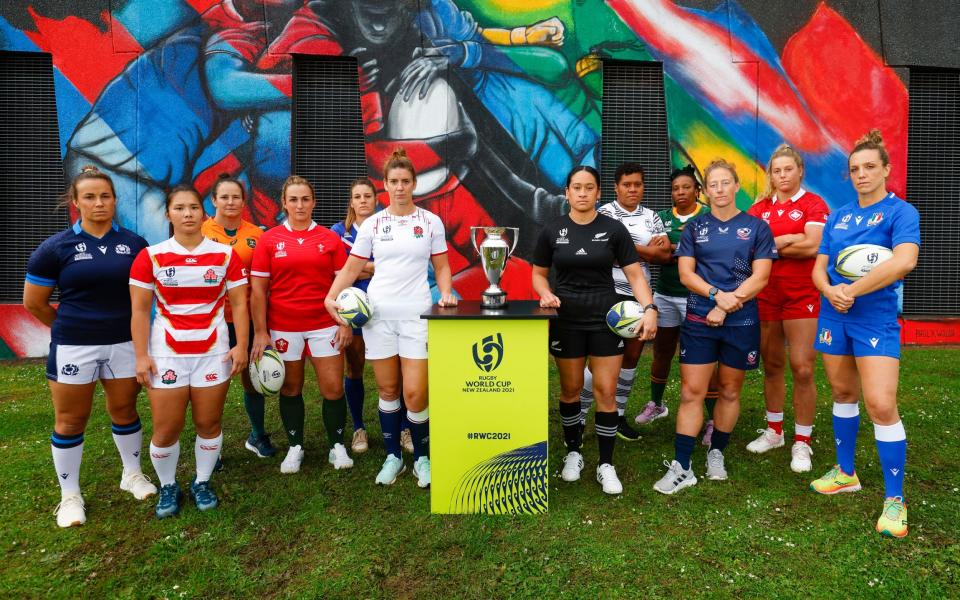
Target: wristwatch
{"type": "Point", "coordinates": [651, 307]}
{"type": "Point", "coordinates": [713, 293]}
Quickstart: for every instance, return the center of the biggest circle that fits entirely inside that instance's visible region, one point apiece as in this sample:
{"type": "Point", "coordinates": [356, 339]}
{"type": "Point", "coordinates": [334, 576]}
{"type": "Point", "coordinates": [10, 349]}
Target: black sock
{"type": "Point", "coordinates": [683, 449]}
{"type": "Point", "coordinates": [572, 432]}
{"type": "Point", "coordinates": [605, 424]}
{"type": "Point", "coordinates": [719, 439]}
{"type": "Point", "coordinates": [334, 417]}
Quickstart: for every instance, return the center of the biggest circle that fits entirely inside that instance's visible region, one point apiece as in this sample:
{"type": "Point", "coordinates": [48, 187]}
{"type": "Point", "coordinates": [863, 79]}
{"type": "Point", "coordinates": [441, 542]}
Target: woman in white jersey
{"type": "Point", "coordinates": [406, 240]}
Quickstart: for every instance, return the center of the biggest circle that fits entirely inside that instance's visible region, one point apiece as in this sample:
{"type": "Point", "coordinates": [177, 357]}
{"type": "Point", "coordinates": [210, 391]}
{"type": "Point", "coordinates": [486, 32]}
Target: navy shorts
{"type": "Point", "coordinates": [232, 335]}
{"type": "Point", "coordinates": [576, 343]}
{"type": "Point", "coordinates": [734, 346]}
{"type": "Point", "coordinates": [835, 336]}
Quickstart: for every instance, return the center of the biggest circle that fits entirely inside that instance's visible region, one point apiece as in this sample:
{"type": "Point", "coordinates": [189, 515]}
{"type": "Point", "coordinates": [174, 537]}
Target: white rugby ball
{"type": "Point", "coordinates": [267, 374]}
{"type": "Point", "coordinates": [854, 262]}
{"type": "Point", "coordinates": [626, 319]}
{"type": "Point", "coordinates": [355, 307]}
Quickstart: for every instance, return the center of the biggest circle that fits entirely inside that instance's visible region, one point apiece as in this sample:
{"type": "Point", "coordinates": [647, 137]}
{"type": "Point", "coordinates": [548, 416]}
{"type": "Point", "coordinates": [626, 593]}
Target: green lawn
{"type": "Point", "coordinates": [336, 535]}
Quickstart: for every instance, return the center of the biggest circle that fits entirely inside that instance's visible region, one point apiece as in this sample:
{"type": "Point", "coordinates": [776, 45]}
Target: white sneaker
{"type": "Point", "coordinates": [608, 480]}
{"type": "Point", "coordinates": [338, 458]}
{"type": "Point", "coordinates": [572, 465]}
{"type": "Point", "coordinates": [291, 464]}
{"type": "Point", "coordinates": [137, 484]}
{"type": "Point", "coordinates": [71, 511]}
{"type": "Point", "coordinates": [801, 453]}
{"type": "Point", "coordinates": [767, 441]}
{"type": "Point", "coordinates": [716, 469]}
{"type": "Point", "coordinates": [675, 479]}
{"type": "Point", "coordinates": [421, 469]}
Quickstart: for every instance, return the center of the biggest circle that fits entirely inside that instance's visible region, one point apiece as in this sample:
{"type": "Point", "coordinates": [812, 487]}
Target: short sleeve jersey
{"type": "Point", "coordinates": [643, 225]}
{"type": "Point", "coordinates": [583, 257]}
{"type": "Point", "coordinates": [191, 288]}
{"type": "Point", "coordinates": [92, 274]}
{"type": "Point", "coordinates": [348, 237]}
{"type": "Point", "coordinates": [725, 251]}
{"type": "Point", "coordinates": [789, 217]}
{"type": "Point", "coordinates": [243, 240]}
{"type": "Point", "coordinates": [887, 223]}
{"type": "Point", "coordinates": [403, 246]}
{"type": "Point", "coordinates": [668, 283]}
{"type": "Point", "coordinates": [301, 266]}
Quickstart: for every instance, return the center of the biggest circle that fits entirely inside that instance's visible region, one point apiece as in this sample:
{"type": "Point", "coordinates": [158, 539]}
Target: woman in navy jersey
{"type": "Point", "coordinates": [90, 336]}
{"type": "Point", "coordinates": [724, 259]}
{"type": "Point", "coordinates": [858, 332]}
{"type": "Point", "coordinates": [582, 247]}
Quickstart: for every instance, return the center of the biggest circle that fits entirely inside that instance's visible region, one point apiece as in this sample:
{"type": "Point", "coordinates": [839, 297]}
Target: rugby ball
{"type": "Point", "coordinates": [626, 319]}
{"type": "Point", "coordinates": [354, 307]}
{"type": "Point", "coordinates": [854, 262]}
{"type": "Point", "coordinates": [267, 374]}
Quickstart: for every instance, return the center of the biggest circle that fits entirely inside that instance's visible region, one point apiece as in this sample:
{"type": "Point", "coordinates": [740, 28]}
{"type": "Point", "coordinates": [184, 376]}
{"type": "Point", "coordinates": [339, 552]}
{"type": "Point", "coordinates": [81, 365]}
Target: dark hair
{"type": "Point", "coordinates": [872, 141]}
{"type": "Point", "coordinates": [628, 168]}
{"type": "Point", "coordinates": [352, 214]}
{"type": "Point", "coordinates": [588, 169]}
{"type": "Point", "coordinates": [687, 171]}
{"type": "Point", "coordinates": [177, 189]}
{"type": "Point", "coordinates": [228, 178]}
{"type": "Point", "coordinates": [87, 172]}
{"type": "Point", "coordinates": [399, 160]}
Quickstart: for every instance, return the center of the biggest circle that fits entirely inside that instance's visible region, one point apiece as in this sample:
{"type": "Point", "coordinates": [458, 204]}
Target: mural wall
{"type": "Point", "coordinates": [495, 100]}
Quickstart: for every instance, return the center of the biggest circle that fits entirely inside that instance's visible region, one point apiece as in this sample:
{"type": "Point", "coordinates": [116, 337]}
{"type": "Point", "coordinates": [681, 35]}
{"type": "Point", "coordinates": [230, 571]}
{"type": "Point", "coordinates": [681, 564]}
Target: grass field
{"type": "Point", "coordinates": [335, 535]}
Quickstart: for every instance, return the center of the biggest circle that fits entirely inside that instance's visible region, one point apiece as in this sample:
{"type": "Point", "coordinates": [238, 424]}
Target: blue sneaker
{"type": "Point", "coordinates": [169, 503]}
{"type": "Point", "coordinates": [260, 446]}
{"type": "Point", "coordinates": [202, 495]}
{"type": "Point", "coordinates": [392, 468]}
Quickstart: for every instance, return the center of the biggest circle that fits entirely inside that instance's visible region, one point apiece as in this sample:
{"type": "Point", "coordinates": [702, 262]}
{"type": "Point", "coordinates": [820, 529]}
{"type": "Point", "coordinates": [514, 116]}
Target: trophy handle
{"type": "Point", "coordinates": [473, 238]}
{"type": "Point", "coordinates": [516, 238]}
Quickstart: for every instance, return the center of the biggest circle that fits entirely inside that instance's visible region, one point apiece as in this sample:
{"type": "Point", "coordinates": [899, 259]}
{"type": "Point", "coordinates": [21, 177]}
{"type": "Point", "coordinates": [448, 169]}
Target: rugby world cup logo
{"type": "Point", "coordinates": [488, 352]}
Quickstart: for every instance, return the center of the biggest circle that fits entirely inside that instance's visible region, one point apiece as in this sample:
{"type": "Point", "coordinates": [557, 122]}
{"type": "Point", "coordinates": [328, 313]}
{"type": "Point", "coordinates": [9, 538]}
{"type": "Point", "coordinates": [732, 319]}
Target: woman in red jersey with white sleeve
{"type": "Point", "coordinates": [293, 266]}
{"type": "Point", "coordinates": [185, 356]}
{"type": "Point", "coordinates": [790, 303]}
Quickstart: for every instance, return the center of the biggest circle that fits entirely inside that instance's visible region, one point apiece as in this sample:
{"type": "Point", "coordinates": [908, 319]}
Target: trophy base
{"type": "Point", "coordinates": [493, 300]}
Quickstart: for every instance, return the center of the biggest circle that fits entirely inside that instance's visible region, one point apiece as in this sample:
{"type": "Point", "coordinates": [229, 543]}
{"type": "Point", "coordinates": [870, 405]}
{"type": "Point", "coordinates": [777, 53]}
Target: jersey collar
{"type": "Point", "coordinates": [78, 230]}
{"type": "Point", "coordinates": [311, 227]}
{"type": "Point", "coordinates": [793, 198]}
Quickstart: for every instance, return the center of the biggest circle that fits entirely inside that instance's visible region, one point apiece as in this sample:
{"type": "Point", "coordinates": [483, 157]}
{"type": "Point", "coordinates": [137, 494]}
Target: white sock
{"type": "Point", "coordinates": [806, 430]}
{"type": "Point", "coordinates": [206, 452]}
{"type": "Point", "coordinates": [67, 462]}
{"type": "Point", "coordinates": [129, 445]}
{"type": "Point", "coordinates": [586, 394]}
{"type": "Point", "coordinates": [165, 462]}
{"type": "Point", "coordinates": [624, 385]}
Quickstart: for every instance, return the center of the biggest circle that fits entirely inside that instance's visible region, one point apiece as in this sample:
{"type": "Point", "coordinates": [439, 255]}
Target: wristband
{"type": "Point", "coordinates": [651, 307]}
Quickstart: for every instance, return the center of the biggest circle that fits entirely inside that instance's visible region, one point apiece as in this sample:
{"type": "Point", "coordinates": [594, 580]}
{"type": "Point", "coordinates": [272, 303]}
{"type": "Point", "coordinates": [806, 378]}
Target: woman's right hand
{"type": "Point", "coordinates": [728, 301]}
{"type": "Point", "coordinates": [261, 341]}
{"type": "Point", "coordinates": [146, 369]}
{"type": "Point", "coordinates": [549, 300]}
{"type": "Point", "coordinates": [836, 295]}
{"type": "Point", "coordinates": [334, 309]}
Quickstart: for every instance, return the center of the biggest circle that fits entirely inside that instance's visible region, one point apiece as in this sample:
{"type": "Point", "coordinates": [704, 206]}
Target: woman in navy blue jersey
{"type": "Point", "coordinates": [90, 336]}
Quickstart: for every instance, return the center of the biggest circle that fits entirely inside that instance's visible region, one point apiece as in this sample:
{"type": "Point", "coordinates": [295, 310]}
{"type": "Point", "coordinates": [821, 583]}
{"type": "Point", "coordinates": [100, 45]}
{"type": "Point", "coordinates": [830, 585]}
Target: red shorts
{"type": "Point", "coordinates": [787, 298]}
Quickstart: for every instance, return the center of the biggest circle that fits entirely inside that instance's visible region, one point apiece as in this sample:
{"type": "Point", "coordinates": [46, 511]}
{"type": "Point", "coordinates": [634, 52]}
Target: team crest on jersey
{"type": "Point", "coordinates": [122, 249]}
{"type": "Point", "coordinates": [169, 377]}
{"type": "Point", "coordinates": [251, 242]}
{"type": "Point", "coordinates": [82, 253]}
{"type": "Point", "coordinates": [210, 276]}
{"type": "Point", "coordinates": [281, 345]}
{"type": "Point", "coordinates": [600, 237]}
{"type": "Point", "coordinates": [320, 248]}
{"type": "Point", "coordinates": [281, 250]}
{"type": "Point", "coordinates": [826, 337]}
{"type": "Point", "coordinates": [417, 231]}
{"type": "Point", "coordinates": [875, 219]}
{"type": "Point", "coordinates": [70, 369]}
{"type": "Point", "coordinates": [752, 357]}
{"type": "Point", "coordinates": [795, 214]}
{"type": "Point", "coordinates": [744, 233]}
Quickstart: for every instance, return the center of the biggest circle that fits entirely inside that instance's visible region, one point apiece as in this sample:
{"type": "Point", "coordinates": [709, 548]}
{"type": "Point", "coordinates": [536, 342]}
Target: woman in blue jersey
{"type": "Point", "coordinates": [858, 331]}
{"type": "Point", "coordinates": [90, 336]}
{"type": "Point", "coordinates": [724, 258]}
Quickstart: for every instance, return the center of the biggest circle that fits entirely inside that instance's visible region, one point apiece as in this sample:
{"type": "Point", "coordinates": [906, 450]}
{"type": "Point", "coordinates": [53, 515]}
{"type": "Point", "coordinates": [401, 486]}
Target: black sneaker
{"type": "Point", "coordinates": [260, 446]}
{"type": "Point", "coordinates": [625, 432]}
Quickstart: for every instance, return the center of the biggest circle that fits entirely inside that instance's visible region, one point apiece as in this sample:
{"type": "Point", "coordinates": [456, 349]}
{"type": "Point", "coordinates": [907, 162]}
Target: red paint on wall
{"type": "Point", "coordinates": [930, 333]}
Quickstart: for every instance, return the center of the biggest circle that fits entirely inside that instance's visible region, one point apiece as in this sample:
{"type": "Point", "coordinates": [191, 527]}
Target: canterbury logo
{"type": "Point", "coordinates": [209, 447]}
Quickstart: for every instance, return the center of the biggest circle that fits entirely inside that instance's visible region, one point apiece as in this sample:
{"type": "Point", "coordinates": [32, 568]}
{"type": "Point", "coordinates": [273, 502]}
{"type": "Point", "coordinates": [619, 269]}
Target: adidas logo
{"type": "Point", "coordinates": [895, 472]}
{"type": "Point", "coordinates": [873, 341]}
{"type": "Point", "coordinates": [581, 252]}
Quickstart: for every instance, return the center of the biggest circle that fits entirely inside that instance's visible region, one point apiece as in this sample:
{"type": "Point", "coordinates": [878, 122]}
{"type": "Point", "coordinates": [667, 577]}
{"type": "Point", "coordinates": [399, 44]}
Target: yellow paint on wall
{"type": "Point", "coordinates": [524, 5]}
{"type": "Point", "coordinates": [704, 146]}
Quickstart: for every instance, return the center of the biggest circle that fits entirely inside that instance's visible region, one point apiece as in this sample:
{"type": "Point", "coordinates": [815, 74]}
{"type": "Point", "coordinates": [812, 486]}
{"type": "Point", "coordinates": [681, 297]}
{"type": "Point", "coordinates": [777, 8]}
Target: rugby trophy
{"type": "Point", "coordinates": [494, 252]}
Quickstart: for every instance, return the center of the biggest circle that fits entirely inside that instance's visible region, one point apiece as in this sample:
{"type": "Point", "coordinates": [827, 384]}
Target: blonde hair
{"type": "Point", "coordinates": [399, 160]}
{"type": "Point", "coordinates": [352, 214]}
{"type": "Point", "coordinates": [295, 180]}
{"type": "Point", "coordinates": [781, 151]}
{"type": "Point", "coordinates": [872, 140]}
{"type": "Point", "coordinates": [719, 163]}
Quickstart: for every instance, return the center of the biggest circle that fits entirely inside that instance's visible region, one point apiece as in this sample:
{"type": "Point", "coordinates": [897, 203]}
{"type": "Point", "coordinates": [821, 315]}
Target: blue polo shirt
{"type": "Point", "coordinates": [93, 275]}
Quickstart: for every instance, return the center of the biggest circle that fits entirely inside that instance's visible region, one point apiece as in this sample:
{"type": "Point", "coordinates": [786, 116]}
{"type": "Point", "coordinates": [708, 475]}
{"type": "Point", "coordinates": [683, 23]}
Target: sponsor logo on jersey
{"type": "Point", "coordinates": [190, 260]}
{"type": "Point", "coordinates": [875, 219]}
{"type": "Point", "coordinates": [752, 357]}
{"type": "Point", "coordinates": [488, 352]}
{"type": "Point", "coordinates": [102, 249]}
{"type": "Point", "coordinates": [723, 230]}
{"type": "Point", "coordinates": [874, 341]}
{"type": "Point", "coordinates": [211, 377]}
{"type": "Point", "coordinates": [826, 337]}
{"type": "Point", "coordinates": [581, 252]}
{"type": "Point", "coordinates": [809, 308]}
{"type": "Point", "coordinates": [281, 345]}
{"type": "Point", "coordinates": [70, 369]}
{"type": "Point", "coordinates": [300, 241]}
{"type": "Point", "coordinates": [82, 253]}
{"type": "Point", "coordinates": [563, 236]}
{"type": "Point", "coordinates": [703, 235]}
{"type": "Point", "coordinates": [744, 233]}
{"type": "Point", "coordinates": [121, 249]}
{"type": "Point", "coordinates": [766, 215]}
{"type": "Point", "coordinates": [169, 377]}
{"type": "Point", "coordinates": [252, 242]}
{"type": "Point", "coordinates": [780, 212]}
{"type": "Point", "coordinates": [386, 229]}
{"type": "Point", "coordinates": [858, 219]}
{"type": "Point", "coordinates": [210, 276]}
{"type": "Point", "coordinates": [233, 242]}
{"type": "Point", "coordinates": [417, 231]}
{"type": "Point", "coordinates": [281, 250]}
{"type": "Point", "coordinates": [843, 224]}
{"type": "Point", "coordinates": [795, 214]}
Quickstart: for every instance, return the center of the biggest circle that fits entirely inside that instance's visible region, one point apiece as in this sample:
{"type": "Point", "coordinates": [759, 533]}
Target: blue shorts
{"type": "Point", "coordinates": [834, 336]}
{"type": "Point", "coordinates": [734, 346]}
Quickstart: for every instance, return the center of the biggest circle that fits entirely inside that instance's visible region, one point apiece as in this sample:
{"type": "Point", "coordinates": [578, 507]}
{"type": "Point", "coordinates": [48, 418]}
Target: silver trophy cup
{"type": "Point", "coordinates": [494, 252]}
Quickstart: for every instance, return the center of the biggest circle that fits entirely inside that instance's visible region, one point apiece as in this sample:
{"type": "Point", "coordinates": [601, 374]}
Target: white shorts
{"type": "Point", "coordinates": [80, 365]}
{"type": "Point", "coordinates": [196, 371]}
{"type": "Point", "coordinates": [671, 310]}
{"type": "Point", "coordinates": [320, 342]}
{"type": "Point", "coordinates": [386, 338]}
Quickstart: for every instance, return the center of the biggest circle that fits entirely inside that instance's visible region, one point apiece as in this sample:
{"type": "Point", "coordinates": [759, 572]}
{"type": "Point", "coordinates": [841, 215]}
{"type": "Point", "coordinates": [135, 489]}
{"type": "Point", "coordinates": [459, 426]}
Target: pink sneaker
{"type": "Point", "coordinates": [651, 412]}
{"type": "Point", "coordinates": [707, 433]}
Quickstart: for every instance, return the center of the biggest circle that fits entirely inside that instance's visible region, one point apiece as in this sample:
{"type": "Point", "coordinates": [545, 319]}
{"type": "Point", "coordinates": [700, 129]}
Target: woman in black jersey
{"type": "Point", "coordinates": [583, 246]}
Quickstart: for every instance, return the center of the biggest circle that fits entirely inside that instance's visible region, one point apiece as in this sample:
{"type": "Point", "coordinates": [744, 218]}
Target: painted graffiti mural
{"type": "Point", "coordinates": [495, 100]}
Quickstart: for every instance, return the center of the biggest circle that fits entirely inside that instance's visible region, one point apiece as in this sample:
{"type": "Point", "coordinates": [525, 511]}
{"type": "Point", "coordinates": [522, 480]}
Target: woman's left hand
{"type": "Point", "coordinates": [239, 357]}
{"type": "Point", "coordinates": [343, 337]}
{"type": "Point", "coordinates": [649, 325]}
{"type": "Point", "coordinates": [715, 317]}
{"type": "Point", "coordinates": [447, 299]}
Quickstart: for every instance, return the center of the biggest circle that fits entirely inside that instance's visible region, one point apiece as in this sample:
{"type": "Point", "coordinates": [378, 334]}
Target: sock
{"type": "Point", "coordinates": [719, 439]}
{"type": "Point", "coordinates": [67, 454]}
{"type": "Point", "coordinates": [624, 385]}
{"type": "Point", "coordinates": [420, 431]}
{"type": "Point", "coordinates": [334, 418]}
{"type": "Point", "coordinates": [404, 422]}
{"type": "Point", "coordinates": [802, 433]}
{"type": "Point", "coordinates": [353, 388]}
{"type": "Point", "coordinates": [390, 425]}
{"type": "Point", "coordinates": [254, 403]}
{"type": "Point", "coordinates": [292, 414]}
{"type": "Point", "coordinates": [206, 452]}
{"type": "Point", "coordinates": [586, 395]}
{"type": "Point", "coordinates": [711, 402]}
{"type": "Point", "coordinates": [775, 422]}
{"type": "Point", "coordinates": [683, 449]}
{"type": "Point", "coordinates": [605, 424]}
{"type": "Point", "coordinates": [892, 448]}
{"type": "Point", "coordinates": [846, 423]}
{"type": "Point", "coordinates": [129, 441]}
{"type": "Point", "coordinates": [657, 387]}
{"type": "Point", "coordinates": [165, 462]}
{"type": "Point", "coordinates": [572, 430]}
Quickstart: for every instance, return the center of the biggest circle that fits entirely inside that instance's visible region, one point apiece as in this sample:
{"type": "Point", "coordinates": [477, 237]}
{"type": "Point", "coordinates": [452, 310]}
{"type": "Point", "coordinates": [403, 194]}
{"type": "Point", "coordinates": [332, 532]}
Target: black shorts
{"type": "Point", "coordinates": [577, 343]}
{"type": "Point", "coordinates": [232, 334]}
